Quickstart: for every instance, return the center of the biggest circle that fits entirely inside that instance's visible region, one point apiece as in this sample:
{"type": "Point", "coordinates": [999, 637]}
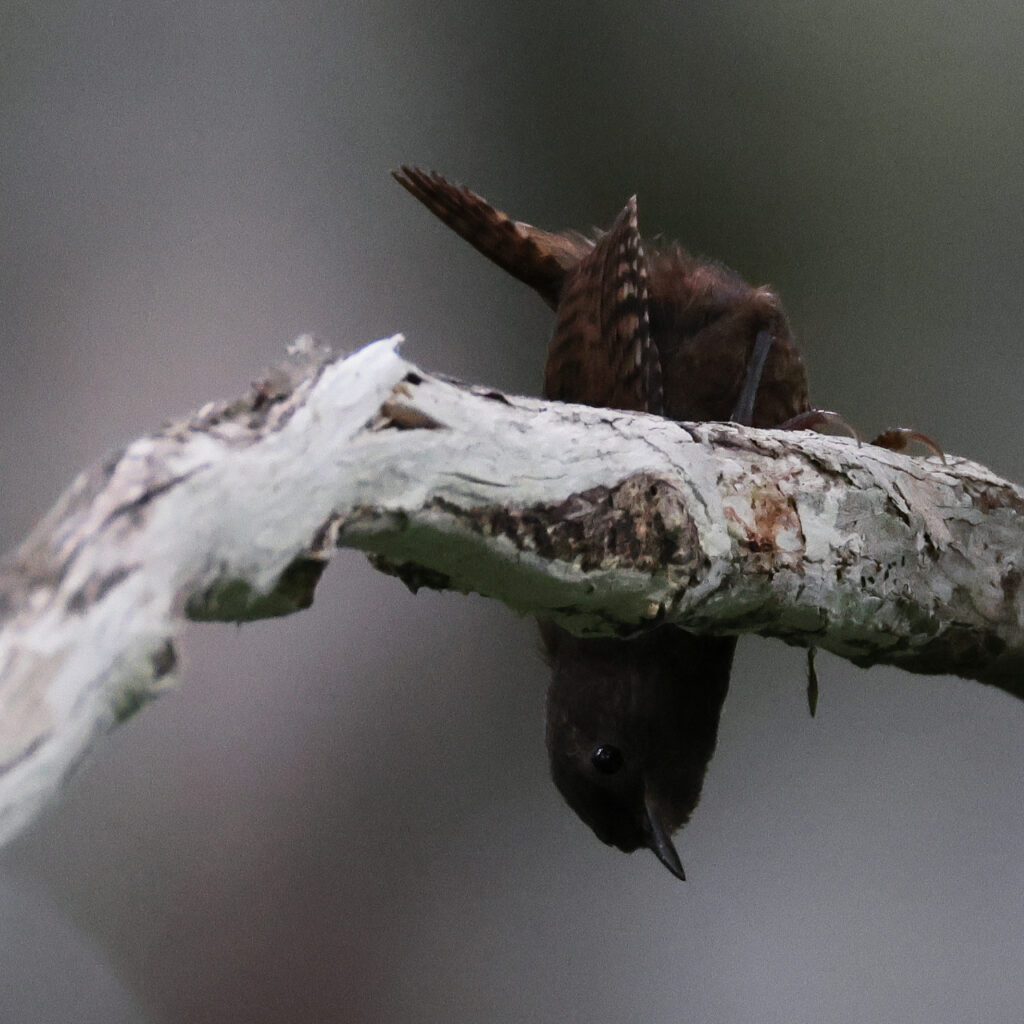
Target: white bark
{"type": "Point", "coordinates": [604, 520]}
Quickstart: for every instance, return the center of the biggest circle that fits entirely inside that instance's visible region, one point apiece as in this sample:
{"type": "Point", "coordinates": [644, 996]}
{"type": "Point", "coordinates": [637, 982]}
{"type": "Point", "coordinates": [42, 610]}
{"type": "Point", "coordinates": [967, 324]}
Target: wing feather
{"type": "Point", "coordinates": [602, 353]}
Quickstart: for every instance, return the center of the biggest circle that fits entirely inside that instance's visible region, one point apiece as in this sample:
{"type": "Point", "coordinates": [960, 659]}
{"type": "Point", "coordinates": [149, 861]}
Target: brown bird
{"type": "Point", "coordinates": [632, 723]}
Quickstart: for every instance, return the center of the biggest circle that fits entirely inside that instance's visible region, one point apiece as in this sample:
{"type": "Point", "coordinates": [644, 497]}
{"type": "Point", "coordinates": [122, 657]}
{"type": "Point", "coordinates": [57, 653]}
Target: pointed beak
{"type": "Point", "coordinates": [658, 839]}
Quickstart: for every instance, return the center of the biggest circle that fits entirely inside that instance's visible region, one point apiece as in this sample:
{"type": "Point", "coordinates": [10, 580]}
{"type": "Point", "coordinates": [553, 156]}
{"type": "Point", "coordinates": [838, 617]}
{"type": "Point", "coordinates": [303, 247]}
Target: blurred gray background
{"type": "Point", "coordinates": [345, 815]}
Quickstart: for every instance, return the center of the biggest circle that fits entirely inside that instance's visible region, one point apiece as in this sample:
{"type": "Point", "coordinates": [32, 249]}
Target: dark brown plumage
{"type": "Point", "coordinates": [632, 724]}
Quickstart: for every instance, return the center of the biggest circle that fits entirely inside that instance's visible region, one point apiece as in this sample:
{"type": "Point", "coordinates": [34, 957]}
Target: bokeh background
{"type": "Point", "coordinates": [345, 815]}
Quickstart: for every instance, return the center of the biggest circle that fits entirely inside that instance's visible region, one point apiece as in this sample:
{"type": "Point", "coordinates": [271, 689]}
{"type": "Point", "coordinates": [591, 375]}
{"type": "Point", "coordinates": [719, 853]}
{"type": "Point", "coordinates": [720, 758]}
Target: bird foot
{"type": "Point", "coordinates": [898, 439]}
{"type": "Point", "coordinates": [815, 418]}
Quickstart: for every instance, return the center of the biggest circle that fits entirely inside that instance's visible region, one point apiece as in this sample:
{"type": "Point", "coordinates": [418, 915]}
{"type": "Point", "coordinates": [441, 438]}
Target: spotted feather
{"type": "Point", "coordinates": [602, 352]}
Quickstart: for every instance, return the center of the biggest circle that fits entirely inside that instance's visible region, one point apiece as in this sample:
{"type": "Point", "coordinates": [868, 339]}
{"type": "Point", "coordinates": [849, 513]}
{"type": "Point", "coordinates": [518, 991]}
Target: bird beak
{"type": "Point", "coordinates": [658, 839]}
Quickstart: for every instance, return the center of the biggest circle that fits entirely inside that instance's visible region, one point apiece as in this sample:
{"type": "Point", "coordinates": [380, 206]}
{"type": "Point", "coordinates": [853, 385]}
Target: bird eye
{"type": "Point", "coordinates": [606, 759]}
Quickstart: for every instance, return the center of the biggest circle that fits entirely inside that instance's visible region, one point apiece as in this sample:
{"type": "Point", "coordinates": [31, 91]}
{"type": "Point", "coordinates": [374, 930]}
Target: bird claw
{"type": "Point", "coordinates": [815, 418]}
{"type": "Point", "coordinates": [899, 438]}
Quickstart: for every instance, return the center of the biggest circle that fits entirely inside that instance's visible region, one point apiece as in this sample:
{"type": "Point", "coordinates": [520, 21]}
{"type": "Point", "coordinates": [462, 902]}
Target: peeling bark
{"type": "Point", "coordinates": [602, 521]}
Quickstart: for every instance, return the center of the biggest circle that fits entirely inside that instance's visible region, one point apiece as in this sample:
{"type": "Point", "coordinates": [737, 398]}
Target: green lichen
{"type": "Point", "coordinates": [235, 600]}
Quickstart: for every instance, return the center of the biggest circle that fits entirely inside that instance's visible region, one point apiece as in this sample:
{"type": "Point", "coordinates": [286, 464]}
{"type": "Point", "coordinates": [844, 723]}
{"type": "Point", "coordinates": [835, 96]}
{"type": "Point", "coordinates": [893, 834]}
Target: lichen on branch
{"type": "Point", "coordinates": [605, 522]}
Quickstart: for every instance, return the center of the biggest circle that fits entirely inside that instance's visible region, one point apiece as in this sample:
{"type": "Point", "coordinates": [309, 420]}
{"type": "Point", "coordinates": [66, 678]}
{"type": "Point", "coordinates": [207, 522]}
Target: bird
{"type": "Point", "coordinates": [632, 722]}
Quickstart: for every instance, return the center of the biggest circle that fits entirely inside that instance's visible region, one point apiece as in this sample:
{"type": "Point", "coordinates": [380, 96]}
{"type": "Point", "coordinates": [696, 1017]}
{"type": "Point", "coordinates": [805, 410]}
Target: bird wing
{"type": "Point", "coordinates": [602, 353]}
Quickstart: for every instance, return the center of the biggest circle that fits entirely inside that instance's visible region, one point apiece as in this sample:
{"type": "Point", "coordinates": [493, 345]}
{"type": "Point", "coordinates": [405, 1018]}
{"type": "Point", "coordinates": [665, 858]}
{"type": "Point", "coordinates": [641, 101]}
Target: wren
{"type": "Point", "coordinates": [632, 723]}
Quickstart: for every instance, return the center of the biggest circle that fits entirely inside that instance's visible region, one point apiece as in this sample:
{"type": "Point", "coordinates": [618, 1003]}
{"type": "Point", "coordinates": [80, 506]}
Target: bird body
{"type": "Point", "coordinates": [632, 723]}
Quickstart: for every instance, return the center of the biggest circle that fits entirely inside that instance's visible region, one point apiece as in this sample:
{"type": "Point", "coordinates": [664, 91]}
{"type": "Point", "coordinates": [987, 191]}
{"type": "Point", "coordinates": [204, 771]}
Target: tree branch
{"type": "Point", "coordinates": [606, 521]}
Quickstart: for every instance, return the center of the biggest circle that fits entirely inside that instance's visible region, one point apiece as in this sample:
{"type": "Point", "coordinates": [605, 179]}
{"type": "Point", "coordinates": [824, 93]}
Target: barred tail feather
{"type": "Point", "coordinates": [535, 257]}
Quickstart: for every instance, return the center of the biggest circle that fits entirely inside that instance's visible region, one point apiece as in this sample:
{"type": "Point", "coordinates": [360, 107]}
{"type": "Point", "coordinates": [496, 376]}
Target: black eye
{"type": "Point", "coordinates": [607, 760]}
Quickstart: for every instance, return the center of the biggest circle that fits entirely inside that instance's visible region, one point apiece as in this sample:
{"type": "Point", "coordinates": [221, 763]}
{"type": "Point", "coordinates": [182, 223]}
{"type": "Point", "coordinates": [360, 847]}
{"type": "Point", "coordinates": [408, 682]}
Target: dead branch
{"type": "Point", "coordinates": [606, 521]}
